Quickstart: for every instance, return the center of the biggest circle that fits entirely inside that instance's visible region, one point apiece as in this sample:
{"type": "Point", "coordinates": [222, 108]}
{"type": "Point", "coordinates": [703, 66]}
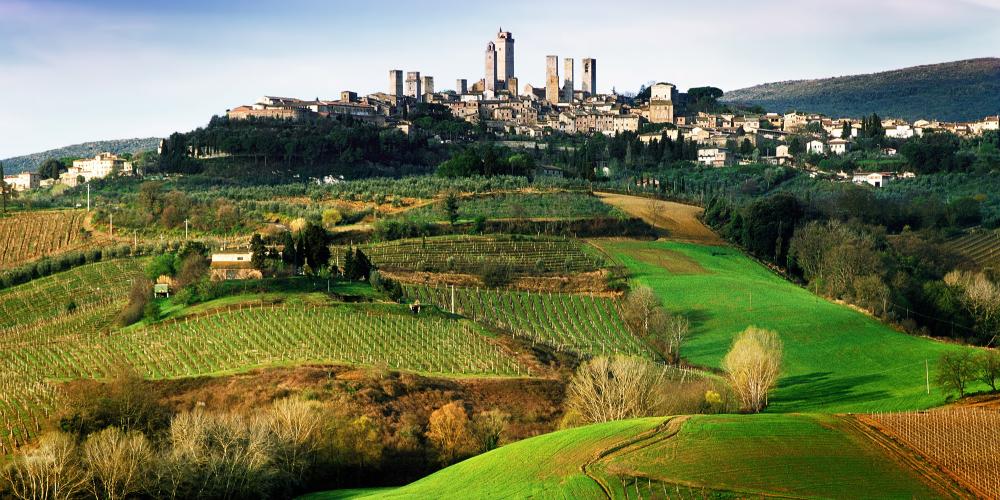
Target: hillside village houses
{"type": "Point", "coordinates": [98, 167]}
{"type": "Point", "coordinates": [23, 181]}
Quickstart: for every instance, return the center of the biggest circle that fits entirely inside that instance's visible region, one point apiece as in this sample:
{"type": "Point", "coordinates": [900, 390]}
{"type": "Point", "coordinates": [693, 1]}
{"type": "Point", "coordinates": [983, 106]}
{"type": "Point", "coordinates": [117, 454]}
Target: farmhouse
{"type": "Point", "coordinates": [877, 179]}
{"type": "Point", "coordinates": [838, 146]}
{"type": "Point", "coordinates": [23, 181]}
{"type": "Point", "coordinates": [233, 266]}
{"type": "Point", "coordinates": [816, 147]}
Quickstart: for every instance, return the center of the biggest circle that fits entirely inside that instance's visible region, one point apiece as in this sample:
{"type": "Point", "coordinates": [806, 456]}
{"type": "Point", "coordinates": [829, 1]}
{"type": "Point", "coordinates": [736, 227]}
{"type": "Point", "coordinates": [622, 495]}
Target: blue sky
{"type": "Point", "coordinates": [73, 71]}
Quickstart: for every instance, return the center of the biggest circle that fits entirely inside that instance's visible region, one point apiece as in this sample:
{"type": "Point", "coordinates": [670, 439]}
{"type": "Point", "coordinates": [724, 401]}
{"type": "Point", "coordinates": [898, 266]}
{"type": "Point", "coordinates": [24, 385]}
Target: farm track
{"type": "Point", "coordinates": [666, 430]}
{"type": "Point", "coordinates": [679, 221]}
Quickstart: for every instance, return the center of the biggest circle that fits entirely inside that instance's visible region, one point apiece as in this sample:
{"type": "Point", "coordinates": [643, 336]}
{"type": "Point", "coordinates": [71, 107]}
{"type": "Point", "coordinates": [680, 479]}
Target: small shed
{"type": "Point", "coordinates": [234, 266]}
{"type": "Point", "coordinates": [161, 290]}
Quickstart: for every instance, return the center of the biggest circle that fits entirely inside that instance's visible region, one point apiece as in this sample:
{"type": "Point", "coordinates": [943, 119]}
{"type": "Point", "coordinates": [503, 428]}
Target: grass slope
{"type": "Point", "coordinates": [546, 466]}
{"type": "Point", "coordinates": [785, 455]}
{"type": "Point", "coordinates": [954, 91]}
{"type": "Point", "coordinates": [836, 359]}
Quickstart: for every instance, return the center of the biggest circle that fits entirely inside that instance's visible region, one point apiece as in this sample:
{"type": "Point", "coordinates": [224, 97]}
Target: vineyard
{"type": "Point", "coordinates": [241, 338]}
{"type": "Point", "coordinates": [982, 247]}
{"type": "Point", "coordinates": [584, 324]}
{"type": "Point", "coordinates": [964, 442]}
{"type": "Point", "coordinates": [30, 235]}
{"type": "Point", "coordinates": [83, 286]}
{"type": "Point", "coordinates": [468, 254]}
{"type": "Point", "coordinates": [559, 205]}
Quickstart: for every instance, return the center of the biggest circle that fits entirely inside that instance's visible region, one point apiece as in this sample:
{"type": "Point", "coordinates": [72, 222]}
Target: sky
{"type": "Point", "coordinates": [76, 71]}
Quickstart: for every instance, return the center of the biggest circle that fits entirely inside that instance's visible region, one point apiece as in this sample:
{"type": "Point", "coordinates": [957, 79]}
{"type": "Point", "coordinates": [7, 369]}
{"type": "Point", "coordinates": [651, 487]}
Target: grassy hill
{"type": "Point", "coordinates": [954, 91]}
{"type": "Point", "coordinates": [836, 359]}
{"type": "Point", "coordinates": [31, 162]}
{"type": "Point", "coordinates": [725, 456]}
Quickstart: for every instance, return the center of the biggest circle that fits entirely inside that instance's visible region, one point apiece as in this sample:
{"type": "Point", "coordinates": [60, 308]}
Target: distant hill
{"type": "Point", "coordinates": [954, 91]}
{"type": "Point", "coordinates": [118, 146]}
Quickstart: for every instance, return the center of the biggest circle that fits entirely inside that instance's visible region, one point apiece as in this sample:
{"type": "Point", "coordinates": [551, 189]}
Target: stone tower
{"type": "Point", "coordinates": [413, 85]}
{"type": "Point", "coordinates": [590, 76]}
{"type": "Point", "coordinates": [462, 86]}
{"type": "Point", "coordinates": [427, 83]}
{"type": "Point", "coordinates": [490, 85]}
{"type": "Point", "coordinates": [505, 57]}
{"type": "Point", "coordinates": [568, 83]}
{"type": "Point", "coordinates": [552, 79]}
{"type": "Point", "coordinates": [396, 83]}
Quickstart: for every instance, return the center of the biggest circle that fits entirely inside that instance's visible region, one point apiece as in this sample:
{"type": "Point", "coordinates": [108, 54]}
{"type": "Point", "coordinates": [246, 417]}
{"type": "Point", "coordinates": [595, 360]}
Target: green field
{"type": "Point", "coordinates": [836, 359]}
{"type": "Point", "coordinates": [547, 466]}
{"type": "Point", "coordinates": [469, 254]}
{"type": "Point", "coordinates": [800, 456]}
{"type": "Point", "coordinates": [560, 205]}
{"type": "Point", "coordinates": [580, 323]}
{"type": "Point", "coordinates": [723, 456]}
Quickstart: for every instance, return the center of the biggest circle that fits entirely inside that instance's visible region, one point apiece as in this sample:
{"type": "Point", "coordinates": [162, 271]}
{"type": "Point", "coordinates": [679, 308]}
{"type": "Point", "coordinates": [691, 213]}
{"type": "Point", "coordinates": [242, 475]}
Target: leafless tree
{"type": "Point", "coordinates": [120, 462]}
{"type": "Point", "coordinates": [753, 365]}
{"type": "Point", "coordinates": [448, 430]}
{"type": "Point", "coordinates": [605, 389]}
{"type": "Point", "coordinates": [296, 425]}
{"type": "Point", "coordinates": [872, 292]}
{"type": "Point", "coordinates": [489, 427]}
{"type": "Point", "coordinates": [640, 306]}
{"type": "Point", "coordinates": [50, 472]}
{"type": "Point", "coordinates": [956, 370]}
{"type": "Point", "coordinates": [989, 368]}
{"type": "Point", "coordinates": [980, 296]}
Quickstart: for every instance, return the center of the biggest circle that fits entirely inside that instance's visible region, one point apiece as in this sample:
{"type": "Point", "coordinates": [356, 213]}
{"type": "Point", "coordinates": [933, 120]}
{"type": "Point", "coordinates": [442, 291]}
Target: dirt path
{"type": "Point", "coordinates": [679, 221]}
{"type": "Point", "coordinates": [593, 468]}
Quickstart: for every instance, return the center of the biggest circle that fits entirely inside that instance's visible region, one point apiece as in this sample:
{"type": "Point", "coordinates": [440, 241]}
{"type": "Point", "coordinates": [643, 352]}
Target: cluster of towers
{"type": "Point", "coordinates": [556, 91]}
{"type": "Point", "coordinates": [500, 76]}
{"type": "Point", "coordinates": [500, 65]}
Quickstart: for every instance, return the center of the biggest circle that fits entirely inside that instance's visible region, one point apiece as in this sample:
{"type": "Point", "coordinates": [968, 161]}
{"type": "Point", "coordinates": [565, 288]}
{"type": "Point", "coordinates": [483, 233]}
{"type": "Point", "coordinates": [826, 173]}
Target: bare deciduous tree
{"type": "Point", "coordinates": [956, 370]}
{"type": "Point", "coordinates": [980, 296]}
{"type": "Point", "coordinates": [489, 427]}
{"type": "Point", "coordinates": [605, 389]}
{"type": "Point", "coordinates": [51, 471]}
{"type": "Point", "coordinates": [296, 424]}
{"type": "Point", "coordinates": [989, 368]}
{"type": "Point", "coordinates": [753, 365]}
{"type": "Point", "coordinates": [449, 430]}
{"type": "Point", "coordinates": [641, 305]}
{"type": "Point", "coordinates": [119, 462]}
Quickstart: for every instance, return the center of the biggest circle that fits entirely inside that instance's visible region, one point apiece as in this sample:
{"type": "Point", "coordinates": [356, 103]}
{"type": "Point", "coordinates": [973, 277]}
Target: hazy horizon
{"type": "Point", "coordinates": [84, 71]}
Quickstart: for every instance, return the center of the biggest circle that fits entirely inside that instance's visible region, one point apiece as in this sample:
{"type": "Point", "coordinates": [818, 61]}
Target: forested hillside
{"type": "Point", "coordinates": [118, 146]}
{"type": "Point", "coordinates": [954, 91]}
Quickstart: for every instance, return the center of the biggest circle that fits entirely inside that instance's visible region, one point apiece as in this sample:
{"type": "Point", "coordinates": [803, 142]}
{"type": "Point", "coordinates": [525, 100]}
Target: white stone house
{"type": "Point", "coordinates": [838, 146]}
{"type": "Point", "coordinates": [816, 147]}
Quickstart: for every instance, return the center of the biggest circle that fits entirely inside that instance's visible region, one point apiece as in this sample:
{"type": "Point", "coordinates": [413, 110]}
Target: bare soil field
{"type": "Point", "coordinates": [679, 221]}
{"type": "Point", "coordinates": [594, 283]}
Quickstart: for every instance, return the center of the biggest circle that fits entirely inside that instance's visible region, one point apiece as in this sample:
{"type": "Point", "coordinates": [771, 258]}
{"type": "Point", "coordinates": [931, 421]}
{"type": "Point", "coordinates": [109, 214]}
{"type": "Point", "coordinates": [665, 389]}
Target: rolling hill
{"type": "Point", "coordinates": [704, 456]}
{"type": "Point", "coordinates": [954, 91]}
{"type": "Point", "coordinates": [118, 146]}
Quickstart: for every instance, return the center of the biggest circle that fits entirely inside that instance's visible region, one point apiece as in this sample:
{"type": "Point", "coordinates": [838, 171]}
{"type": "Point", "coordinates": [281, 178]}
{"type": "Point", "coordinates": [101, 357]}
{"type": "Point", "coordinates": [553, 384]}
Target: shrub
{"type": "Point", "coordinates": [753, 365]}
{"type": "Point", "coordinates": [496, 274]}
{"type": "Point", "coordinates": [448, 430]}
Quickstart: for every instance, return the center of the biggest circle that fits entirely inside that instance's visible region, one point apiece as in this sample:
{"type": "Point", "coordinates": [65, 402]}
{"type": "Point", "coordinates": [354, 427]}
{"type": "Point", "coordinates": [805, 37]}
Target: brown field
{"type": "Point", "coordinates": [679, 221]}
{"type": "Point", "coordinates": [31, 235]}
{"type": "Point", "coordinates": [963, 442]}
{"type": "Point", "coordinates": [594, 282]}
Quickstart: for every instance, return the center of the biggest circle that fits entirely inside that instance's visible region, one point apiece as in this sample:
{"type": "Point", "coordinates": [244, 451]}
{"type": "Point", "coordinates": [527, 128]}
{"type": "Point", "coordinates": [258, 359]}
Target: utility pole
{"type": "Point", "coordinates": [186, 229]}
{"type": "Point", "coordinates": [453, 299]}
{"type": "Point", "coordinates": [927, 375]}
{"type": "Point", "coordinates": [111, 223]}
{"type": "Point", "coordinates": [88, 196]}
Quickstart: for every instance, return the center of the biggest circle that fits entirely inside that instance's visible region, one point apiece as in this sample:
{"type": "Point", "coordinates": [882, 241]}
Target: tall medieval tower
{"type": "Point", "coordinates": [490, 83]}
{"type": "Point", "coordinates": [552, 79]}
{"type": "Point", "coordinates": [505, 57]}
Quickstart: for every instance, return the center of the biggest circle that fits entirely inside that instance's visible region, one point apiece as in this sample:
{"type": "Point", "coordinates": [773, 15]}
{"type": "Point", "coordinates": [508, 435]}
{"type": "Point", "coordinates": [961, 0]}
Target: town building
{"type": "Point", "coordinates": [838, 146]}
{"type": "Point", "coordinates": [816, 147]}
{"type": "Point", "coordinates": [412, 87]}
{"type": "Point", "coordinates": [715, 157]}
{"type": "Point", "coordinates": [23, 181]}
{"type": "Point", "coordinates": [661, 103]}
{"type": "Point", "coordinates": [98, 167]}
